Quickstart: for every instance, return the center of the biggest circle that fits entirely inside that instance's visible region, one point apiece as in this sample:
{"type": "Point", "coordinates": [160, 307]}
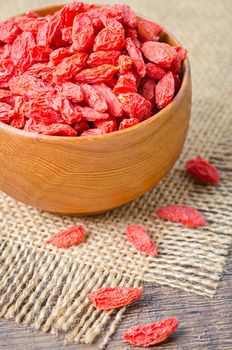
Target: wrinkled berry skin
{"type": "Point", "coordinates": [203, 170]}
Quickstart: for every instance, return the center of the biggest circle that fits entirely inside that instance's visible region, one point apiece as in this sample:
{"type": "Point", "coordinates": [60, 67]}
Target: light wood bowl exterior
{"type": "Point", "coordinates": [89, 175]}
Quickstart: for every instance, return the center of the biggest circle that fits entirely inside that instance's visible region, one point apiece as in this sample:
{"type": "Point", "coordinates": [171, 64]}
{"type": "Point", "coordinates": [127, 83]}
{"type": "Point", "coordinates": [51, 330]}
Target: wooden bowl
{"type": "Point", "coordinates": [89, 175]}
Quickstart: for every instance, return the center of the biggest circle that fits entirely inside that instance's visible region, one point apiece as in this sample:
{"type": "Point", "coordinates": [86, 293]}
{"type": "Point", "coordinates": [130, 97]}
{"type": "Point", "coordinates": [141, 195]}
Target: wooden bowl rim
{"type": "Point", "coordinates": [157, 116]}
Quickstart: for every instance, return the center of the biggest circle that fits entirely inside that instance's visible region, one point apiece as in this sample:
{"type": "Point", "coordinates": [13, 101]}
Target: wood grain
{"type": "Point", "coordinates": [204, 323]}
{"type": "Point", "coordinates": [94, 174]}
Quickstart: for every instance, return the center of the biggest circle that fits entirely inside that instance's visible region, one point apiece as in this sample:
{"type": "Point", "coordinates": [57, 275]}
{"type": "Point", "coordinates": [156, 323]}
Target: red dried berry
{"type": "Point", "coordinates": [91, 114]}
{"type": "Point", "coordinates": [92, 132]}
{"type": "Point", "coordinates": [96, 75]}
{"type": "Point", "coordinates": [125, 84]}
{"type": "Point", "coordinates": [114, 106]}
{"type": "Point", "coordinates": [124, 63]}
{"type": "Point", "coordinates": [93, 98]}
{"type": "Point", "coordinates": [58, 55]}
{"type": "Point", "coordinates": [67, 35]}
{"type": "Point", "coordinates": [69, 237]}
{"type": "Point", "coordinates": [136, 56]}
{"type": "Point", "coordinates": [19, 51]}
{"type": "Point", "coordinates": [28, 85]}
{"type": "Point", "coordinates": [127, 123]}
{"type": "Point", "coordinates": [8, 31]}
{"type": "Point", "coordinates": [72, 92]}
{"type": "Point", "coordinates": [161, 54]}
{"type": "Point", "coordinates": [110, 38]}
{"type": "Point", "coordinates": [165, 90]}
{"type": "Point", "coordinates": [81, 127]}
{"type": "Point", "coordinates": [82, 33]}
{"type": "Point", "coordinates": [182, 214]}
{"type": "Point", "coordinates": [5, 94]}
{"type": "Point", "coordinates": [203, 170]}
{"type": "Point", "coordinates": [151, 334]}
{"type": "Point", "coordinates": [103, 57]}
{"type": "Point", "coordinates": [18, 121]}
{"type": "Point", "coordinates": [139, 238]}
{"type": "Point", "coordinates": [113, 298]}
{"type": "Point", "coordinates": [149, 90]}
{"type": "Point", "coordinates": [148, 30]}
{"type": "Point", "coordinates": [6, 113]}
{"type": "Point", "coordinates": [135, 106]}
{"type": "Point", "coordinates": [106, 126]}
{"type": "Point", "coordinates": [129, 17]}
{"type": "Point", "coordinates": [154, 71]}
{"type": "Point", "coordinates": [68, 68]}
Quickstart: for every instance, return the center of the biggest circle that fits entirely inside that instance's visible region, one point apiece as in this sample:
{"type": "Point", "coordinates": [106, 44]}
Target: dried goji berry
{"type": "Point", "coordinates": [135, 106]}
{"type": "Point", "coordinates": [127, 123]}
{"type": "Point", "coordinates": [106, 126]}
{"type": "Point", "coordinates": [154, 71]}
{"type": "Point", "coordinates": [82, 33]}
{"type": "Point", "coordinates": [8, 31]}
{"type": "Point", "coordinates": [67, 69]}
{"type": "Point", "coordinates": [160, 53]}
{"type": "Point", "coordinates": [103, 57]}
{"type": "Point", "coordinates": [148, 30]}
{"type": "Point", "coordinates": [72, 92]}
{"type": "Point", "coordinates": [58, 55]}
{"type": "Point", "coordinates": [66, 109]}
{"type": "Point", "coordinates": [6, 113]}
{"type": "Point", "coordinates": [114, 106]}
{"type": "Point", "coordinates": [182, 214]}
{"type": "Point", "coordinates": [129, 17]}
{"type": "Point", "coordinates": [4, 94]}
{"type": "Point", "coordinates": [71, 236]}
{"type": "Point", "coordinates": [165, 90]}
{"type": "Point", "coordinates": [92, 132]}
{"type": "Point", "coordinates": [139, 238]}
{"type": "Point", "coordinates": [96, 75]}
{"type": "Point", "coordinates": [149, 90]}
{"type": "Point", "coordinates": [125, 84]}
{"type": "Point", "coordinates": [91, 114]}
{"type": "Point", "coordinates": [203, 170]}
{"type": "Point", "coordinates": [151, 334]}
{"type": "Point", "coordinates": [19, 51]}
{"type": "Point", "coordinates": [29, 24]}
{"type": "Point", "coordinates": [67, 35]}
{"type": "Point", "coordinates": [110, 38]}
{"type": "Point", "coordinates": [81, 127]}
{"type": "Point", "coordinates": [18, 121]}
{"type": "Point", "coordinates": [93, 98]}
{"type": "Point", "coordinates": [113, 298]}
{"type": "Point", "coordinates": [136, 56]}
{"type": "Point", "coordinates": [28, 85]}
{"type": "Point", "coordinates": [124, 63]}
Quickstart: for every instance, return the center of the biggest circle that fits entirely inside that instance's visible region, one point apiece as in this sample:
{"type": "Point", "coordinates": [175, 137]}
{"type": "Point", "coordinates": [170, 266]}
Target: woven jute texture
{"type": "Point", "coordinates": [46, 288]}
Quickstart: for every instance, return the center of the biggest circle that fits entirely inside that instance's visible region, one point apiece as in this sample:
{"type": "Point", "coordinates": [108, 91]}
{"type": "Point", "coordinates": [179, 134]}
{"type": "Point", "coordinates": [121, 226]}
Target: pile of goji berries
{"type": "Point", "coordinates": [85, 70]}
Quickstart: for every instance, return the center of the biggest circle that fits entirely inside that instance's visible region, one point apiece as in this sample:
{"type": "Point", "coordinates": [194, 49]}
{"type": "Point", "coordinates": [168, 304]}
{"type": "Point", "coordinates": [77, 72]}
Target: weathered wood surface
{"type": "Point", "coordinates": [204, 323]}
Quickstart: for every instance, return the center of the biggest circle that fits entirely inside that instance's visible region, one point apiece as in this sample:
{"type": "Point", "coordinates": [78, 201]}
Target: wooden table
{"type": "Point", "coordinates": [204, 323]}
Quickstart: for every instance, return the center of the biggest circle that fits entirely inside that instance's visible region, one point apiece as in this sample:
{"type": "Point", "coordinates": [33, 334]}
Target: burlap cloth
{"type": "Point", "coordinates": [46, 287]}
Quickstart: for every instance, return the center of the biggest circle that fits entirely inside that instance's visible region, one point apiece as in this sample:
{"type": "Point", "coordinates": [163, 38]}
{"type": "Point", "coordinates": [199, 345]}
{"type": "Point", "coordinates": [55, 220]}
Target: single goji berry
{"type": "Point", "coordinates": [136, 56]}
{"type": "Point", "coordinates": [103, 57]}
{"type": "Point", "coordinates": [18, 121]}
{"type": "Point", "coordinates": [72, 92]}
{"type": "Point", "coordinates": [58, 55]}
{"type": "Point", "coordinates": [96, 75]}
{"type": "Point", "coordinates": [80, 127]}
{"type": "Point", "coordinates": [148, 30]}
{"type": "Point", "coordinates": [182, 214]}
{"type": "Point", "coordinates": [165, 90]}
{"type": "Point", "coordinates": [125, 84]}
{"type": "Point", "coordinates": [127, 123]}
{"type": "Point", "coordinates": [6, 113]}
{"type": "Point", "coordinates": [160, 53]}
{"type": "Point", "coordinates": [113, 298]}
{"type": "Point", "coordinates": [114, 106]}
{"type": "Point", "coordinates": [129, 17]}
{"type": "Point", "coordinates": [106, 126]}
{"type": "Point", "coordinates": [202, 170]}
{"type": "Point", "coordinates": [139, 238]}
{"type": "Point", "coordinates": [154, 71]}
{"type": "Point", "coordinates": [9, 31]}
{"type": "Point", "coordinates": [92, 132]}
{"type": "Point", "coordinates": [110, 38]}
{"type": "Point", "coordinates": [69, 66]}
{"type": "Point", "coordinates": [148, 91]}
{"type": "Point", "coordinates": [71, 236]}
{"type": "Point", "coordinates": [91, 114]}
{"type": "Point", "coordinates": [124, 63]}
{"type": "Point", "coordinates": [28, 85]}
{"type": "Point", "coordinates": [93, 98]}
{"type": "Point", "coordinates": [151, 334]}
{"type": "Point", "coordinates": [19, 51]}
{"type": "Point", "coordinates": [135, 106]}
{"type": "Point", "coordinates": [82, 33]}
